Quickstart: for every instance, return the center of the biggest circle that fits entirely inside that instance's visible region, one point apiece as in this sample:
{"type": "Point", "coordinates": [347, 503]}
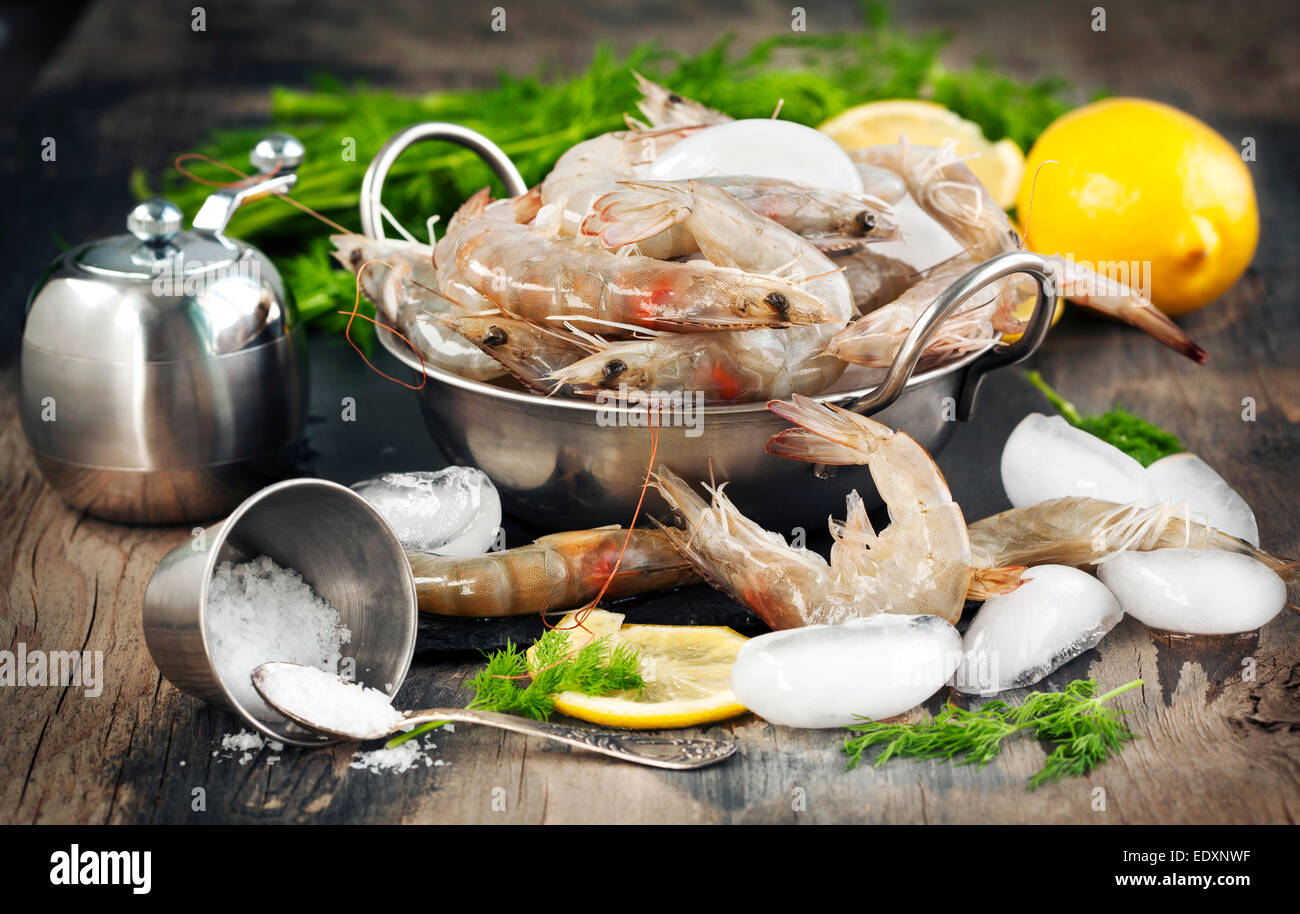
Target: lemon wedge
{"type": "Point", "coordinates": [686, 668]}
{"type": "Point", "coordinates": [999, 166]}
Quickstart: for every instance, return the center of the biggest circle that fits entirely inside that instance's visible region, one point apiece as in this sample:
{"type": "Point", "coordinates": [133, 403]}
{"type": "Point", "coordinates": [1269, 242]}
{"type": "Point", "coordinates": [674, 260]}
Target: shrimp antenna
{"type": "Point", "coordinates": [1033, 189]}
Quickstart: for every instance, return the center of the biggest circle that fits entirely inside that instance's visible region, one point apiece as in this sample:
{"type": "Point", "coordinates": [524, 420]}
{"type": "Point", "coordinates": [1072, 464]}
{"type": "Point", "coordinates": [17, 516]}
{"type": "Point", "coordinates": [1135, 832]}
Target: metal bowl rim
{"type": "Point", "coordinates": [386, 338]}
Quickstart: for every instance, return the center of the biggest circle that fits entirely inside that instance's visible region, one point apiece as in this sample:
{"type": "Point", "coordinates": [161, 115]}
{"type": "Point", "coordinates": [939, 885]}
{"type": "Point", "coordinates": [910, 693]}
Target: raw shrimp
{"type": "Point", "coordinates": [662, 107]}
{"type": "Point", "coordinates": [403, 283]}
{"type": "Point", "coordinates": [922, 562]}
{"type": "Point", "coordinates": [530, 352]}
{"type": "Point", "coordinates": [875, 279]}
{"type": "Point", "coordinates": [560, 571]}
{"type": "Point", "coordinates": [734, 366]}
{"type": "Point", "coordinates": [537, 277]}
{"type": "Point", "coordinates": [593, 168]}
{"type": "Point", "coordinates": [413, 260]}
{"type": "Point", "coordinates": [788, 587]}
{"type": "Point", "coordinates": [873, 340]}
{"type": "Point", "coordinates": [835, 220]}
{"type": "Point", "coordinates": [1084, 532]}
{"type": "Point", "coordinates": [948, 191]}
{"type": "Point", "coordinates": [832, 219]}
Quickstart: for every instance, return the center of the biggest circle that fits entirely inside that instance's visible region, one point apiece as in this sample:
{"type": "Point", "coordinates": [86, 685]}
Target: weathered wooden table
{"type": "Point", "coordinates": [130, 84]}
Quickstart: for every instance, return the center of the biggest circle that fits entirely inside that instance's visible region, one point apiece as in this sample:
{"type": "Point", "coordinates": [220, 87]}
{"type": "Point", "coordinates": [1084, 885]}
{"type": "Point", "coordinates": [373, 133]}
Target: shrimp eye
{"type": "Point", "coordinates": [866, 220]}
{"type": "Point", "coordinates": [356, 259]}
{"type": "Point", "coordinates": [495, 336]}
{"type": "Point", "coordinates": [614, 368]}
{"type": "Point", "coordinates": [779, 302]}
{"type": "Point", "coordinates": [675, 99]}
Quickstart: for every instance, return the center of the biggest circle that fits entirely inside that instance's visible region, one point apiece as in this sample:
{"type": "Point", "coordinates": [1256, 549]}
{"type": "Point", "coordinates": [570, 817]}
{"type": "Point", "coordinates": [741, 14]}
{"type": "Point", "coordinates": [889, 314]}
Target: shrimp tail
{"type": "Point", "coordinates": [826, 433]}
{"type": "Point", "coordinates": [641, 210]}
{"type": "Point", "coordinates": [1086, 287]}
{"type": "Point", "coordinates": [988, 582]}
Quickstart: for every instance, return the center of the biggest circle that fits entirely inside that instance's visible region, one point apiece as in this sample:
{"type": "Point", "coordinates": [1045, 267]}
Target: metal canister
{"type": "Point", "coordinates": [164, 372]}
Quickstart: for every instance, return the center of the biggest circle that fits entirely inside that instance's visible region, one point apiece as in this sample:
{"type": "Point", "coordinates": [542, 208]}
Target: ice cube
{"type": "Point", "coordinates": [1047, 457]}
{"type": "Point", "coordinates": [831, 675]}
{"type": "Point", "coordinates": [1188, 478]}
{"type": "Point", "coordinates": [455, 511]}
{"type": "Point", "coordinates": [1195, 591]}
{"type": "Point", "coordinates": [1018, 638]}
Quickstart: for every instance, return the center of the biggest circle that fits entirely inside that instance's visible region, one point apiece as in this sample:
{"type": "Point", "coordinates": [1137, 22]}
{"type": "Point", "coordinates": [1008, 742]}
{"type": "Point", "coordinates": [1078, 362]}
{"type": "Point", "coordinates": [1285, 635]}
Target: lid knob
{"type": "Point", "coordinates": [276, 151]}
{"type": "Point", "coordinates": [155, 222]}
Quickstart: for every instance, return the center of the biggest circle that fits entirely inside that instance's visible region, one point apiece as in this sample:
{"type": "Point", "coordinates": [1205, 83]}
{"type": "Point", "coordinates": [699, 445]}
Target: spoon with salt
{"type": "Point", "coordinates": [334, 706]}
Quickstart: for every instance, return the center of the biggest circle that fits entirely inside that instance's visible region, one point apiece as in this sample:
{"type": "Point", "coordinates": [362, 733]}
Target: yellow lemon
{"type": "Point", "coordinates": [1139, 182]}
{"type": "Point", "coordinates": [686, 668]}
{"type": "Point", "coordinates": [998, 165]}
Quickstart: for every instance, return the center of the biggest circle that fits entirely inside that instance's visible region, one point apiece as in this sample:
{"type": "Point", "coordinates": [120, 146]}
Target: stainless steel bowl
{"type": "Point", "coordinates": [567, 464]}
{"type": "Point", "coordinates": [340, 545]}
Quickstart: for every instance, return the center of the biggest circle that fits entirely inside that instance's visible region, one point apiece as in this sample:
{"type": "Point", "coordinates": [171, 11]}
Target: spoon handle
{"type": "Point", "coordinates": [655, 751]}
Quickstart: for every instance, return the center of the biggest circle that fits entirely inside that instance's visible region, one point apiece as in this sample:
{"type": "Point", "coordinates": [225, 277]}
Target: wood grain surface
{"type": "Point", "coordinates": [127, 85]}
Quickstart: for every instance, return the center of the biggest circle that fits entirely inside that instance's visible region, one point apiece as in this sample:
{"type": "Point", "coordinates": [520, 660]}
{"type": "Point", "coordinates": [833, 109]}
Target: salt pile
{"type": "Point", "coordinates": [1195, 591]}
{"type": "Point", "coordinates": [246, 745]}
{"type": "Point", "coordinates": [330, 702]}
{"type": "Point", "coordinates": [403, 757]}
{"type": "Point", "coordinates": [830, 675]}
{"type": "Point", "coordinates": [257, 612]}
{"type": "Point", "coordinates": [1047, 457]}
{"type": "Point", "coordinates": [1018, 638]}
{"type": "Point", "coordinates": [455, 511]}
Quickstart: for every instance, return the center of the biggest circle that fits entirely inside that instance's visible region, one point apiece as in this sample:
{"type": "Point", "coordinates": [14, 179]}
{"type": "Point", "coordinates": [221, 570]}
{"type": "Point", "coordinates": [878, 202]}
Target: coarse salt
{"type": "Point", "coordinates": [331, 703]}
{"type": "Point", "coordinates": [258, 611]}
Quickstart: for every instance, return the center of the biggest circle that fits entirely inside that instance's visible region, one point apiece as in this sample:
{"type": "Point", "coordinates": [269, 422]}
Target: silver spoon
{"type": "Point", "coordinates": [655, 751]}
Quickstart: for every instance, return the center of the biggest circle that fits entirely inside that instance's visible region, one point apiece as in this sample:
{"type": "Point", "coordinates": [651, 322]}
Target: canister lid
{"type": "Point", "coordinates": [155, 246]}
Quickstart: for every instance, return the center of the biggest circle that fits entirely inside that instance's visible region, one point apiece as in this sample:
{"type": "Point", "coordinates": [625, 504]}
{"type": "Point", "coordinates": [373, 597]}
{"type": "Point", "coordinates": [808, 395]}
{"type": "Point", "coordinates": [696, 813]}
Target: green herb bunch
{"type": "Point", "coordinates": [535, 118]}
{"type": "Point", "coordinates": [1077, 723]}
{"type": "Point", "coordinates": [1144, 442]}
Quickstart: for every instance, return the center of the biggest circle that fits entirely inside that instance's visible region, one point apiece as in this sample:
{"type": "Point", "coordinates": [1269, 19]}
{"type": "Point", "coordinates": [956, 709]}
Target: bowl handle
{"type": "Point", "coordinates": [372, 185]}
{"type": "Point", "coordinates": [952, 298]}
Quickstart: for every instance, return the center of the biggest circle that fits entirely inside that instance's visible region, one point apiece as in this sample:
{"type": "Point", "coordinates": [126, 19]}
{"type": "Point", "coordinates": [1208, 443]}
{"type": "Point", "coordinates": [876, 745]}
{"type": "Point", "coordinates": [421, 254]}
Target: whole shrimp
{"type": "Point", "coordinates": [724, 366]}
{"type": "Point", "coordinates": [923, 561]}
{"type": "Point", "coordinates": [948, 191]}
{"type": "Point", "coordinates": [559, 571]}
{"type": "Point", "coordinates": [834, 220]}
{"type": "Point", "coordinates": [1085, 532]}
{"type": "Point", "coordinates": [539, 277]}
{"type": "Point", "coordinates": [402, 282]}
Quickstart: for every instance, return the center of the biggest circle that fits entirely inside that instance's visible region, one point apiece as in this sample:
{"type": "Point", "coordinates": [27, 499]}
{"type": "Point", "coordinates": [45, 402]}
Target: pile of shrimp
{"type": "Point", "coordinates": [742, 288]}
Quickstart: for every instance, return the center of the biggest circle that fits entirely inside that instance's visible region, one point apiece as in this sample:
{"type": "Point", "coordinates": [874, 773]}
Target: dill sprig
{"type": "Point", "coordinates": [1083, 731]}
{"type": "Point", "coordinates": [536, 117]}
{"type": "Point", "coordinates": [597, 668]}
{"type": "Point", "coordinates": [511, 684]}
{"type": "Point", "coordinates": [1144, 442]}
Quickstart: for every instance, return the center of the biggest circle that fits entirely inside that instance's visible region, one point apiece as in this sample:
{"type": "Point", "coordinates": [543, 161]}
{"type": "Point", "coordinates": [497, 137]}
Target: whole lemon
{"type": "Point", "coordinates": [1142, 182]}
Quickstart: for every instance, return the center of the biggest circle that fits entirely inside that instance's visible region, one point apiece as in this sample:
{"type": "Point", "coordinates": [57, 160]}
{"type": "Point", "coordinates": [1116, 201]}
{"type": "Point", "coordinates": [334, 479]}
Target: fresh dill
{"type": "Point", "coordinates": [536, 117]}
{"type": "Point", "coordinates": [1144, 442]}
{"type": "Point", "coordinates": [1082, 731]}
{"type": "Point", "coordinates": [513, 683]}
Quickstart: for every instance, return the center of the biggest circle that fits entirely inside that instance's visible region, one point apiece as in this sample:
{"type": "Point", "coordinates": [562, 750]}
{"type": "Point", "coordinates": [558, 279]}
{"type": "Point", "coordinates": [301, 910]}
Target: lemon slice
{"type": "Point", "coordinates": [999, 166]}
{"type": "Point", "coordinates": [686, 668]}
